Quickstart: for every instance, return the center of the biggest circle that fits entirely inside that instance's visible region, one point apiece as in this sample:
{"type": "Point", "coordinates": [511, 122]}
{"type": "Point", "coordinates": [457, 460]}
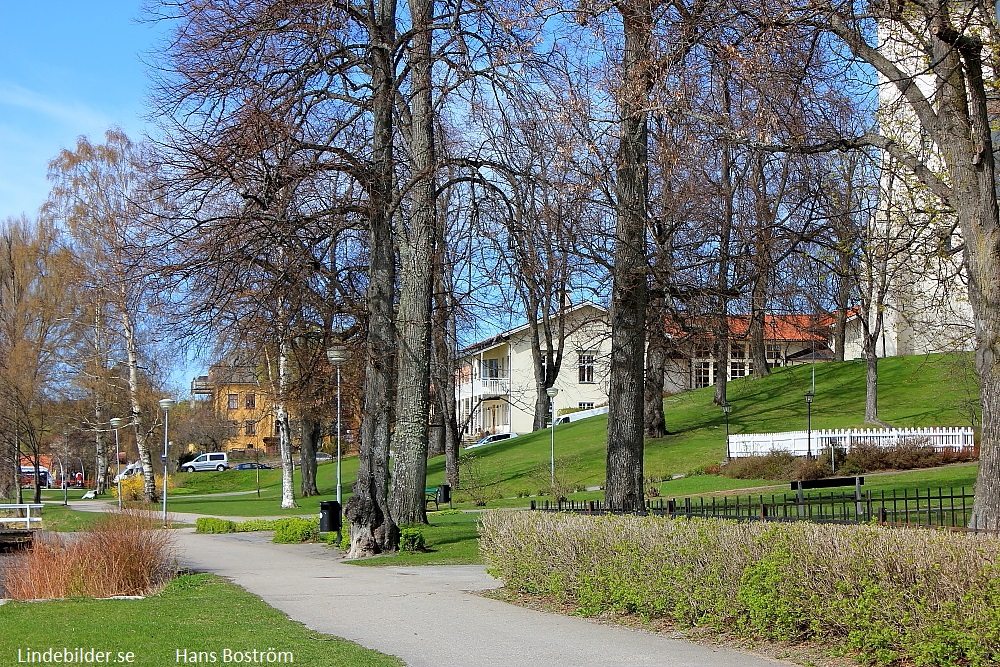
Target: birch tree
{"type": "Point", "coordinates": [101, 192]}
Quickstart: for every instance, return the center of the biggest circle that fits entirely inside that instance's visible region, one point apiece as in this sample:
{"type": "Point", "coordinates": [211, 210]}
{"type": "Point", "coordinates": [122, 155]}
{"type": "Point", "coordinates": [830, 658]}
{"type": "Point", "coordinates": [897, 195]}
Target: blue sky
{"type": "Point", "coordinates": [69, 68]}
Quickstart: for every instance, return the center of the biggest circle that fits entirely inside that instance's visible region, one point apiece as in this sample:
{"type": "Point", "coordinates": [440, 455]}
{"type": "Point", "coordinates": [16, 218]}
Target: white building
{"type": "Point", "coordinates": [496, 385]}
{"type": "Point", "coordinates": [926, 307]}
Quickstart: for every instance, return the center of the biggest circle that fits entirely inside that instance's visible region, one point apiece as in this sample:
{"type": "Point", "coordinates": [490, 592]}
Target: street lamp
{"type": "Point", "coordinates": [552, 392]}
{"type": "Point", "coordinates": [726, 409]}
{"type": "Point", "coordinates": [337, 355]}
{"type": "Point", "coordinates": [116, 423]}
{"type": "Point", "coordinates": [166, 404]}
{"type": "Point", "coordinates": [809, 428]}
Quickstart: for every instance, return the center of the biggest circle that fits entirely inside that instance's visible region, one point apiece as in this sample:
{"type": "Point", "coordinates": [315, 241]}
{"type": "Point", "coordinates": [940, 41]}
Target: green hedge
{"type": "Point", "coordinates": [212, 526]}
{"type": "Point", "coordinates": [892, 596]}
{"type": "Point", "coordinates": [286, 531]}
{"type": "Point", "coordinates": [294, 530]}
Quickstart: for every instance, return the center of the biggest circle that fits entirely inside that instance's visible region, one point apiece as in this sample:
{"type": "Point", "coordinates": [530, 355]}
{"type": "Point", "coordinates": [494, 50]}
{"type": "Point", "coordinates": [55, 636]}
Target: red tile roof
{"type": "Point", "coordinates": [784, 328]}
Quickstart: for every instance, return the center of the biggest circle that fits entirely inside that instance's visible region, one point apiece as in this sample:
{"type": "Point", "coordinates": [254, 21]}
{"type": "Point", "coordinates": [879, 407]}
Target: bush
{"type": "Point", "coordinates": [212, 526]}
{"type": "Point", "coordinates": [123, 554]}
{"type": "Point", "coordinates": [776, 465]}
{"type": "Point", "coordinates": [295, 530]}
{"type": "Point", "coordinates": [133, 485]}
{"type": "Point", "coordinates": [411, 540]}
{"type": "Point", "coordinates": [893, 596]}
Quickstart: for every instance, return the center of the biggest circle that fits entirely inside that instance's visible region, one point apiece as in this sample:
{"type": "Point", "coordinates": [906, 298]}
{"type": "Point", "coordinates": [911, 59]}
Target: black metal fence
{"type": "Point", "coordinates": [942, 508]}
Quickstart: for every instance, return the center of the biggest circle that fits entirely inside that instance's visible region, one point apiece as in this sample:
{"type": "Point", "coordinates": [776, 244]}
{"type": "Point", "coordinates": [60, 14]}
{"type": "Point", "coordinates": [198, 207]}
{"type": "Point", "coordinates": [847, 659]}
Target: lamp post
{"type": "Point", "coordinates": [337, 355]}
{"type": "Point", "coordinates": [552, 392]}
{"type": "Point", "coordinates": [809, 428]}
{"type": "Point", "coordinates": [166, 404]}
{"type": "Point", "coordinates": [726, 408]}
{"type": "Point", "coordinates": [116, 423]}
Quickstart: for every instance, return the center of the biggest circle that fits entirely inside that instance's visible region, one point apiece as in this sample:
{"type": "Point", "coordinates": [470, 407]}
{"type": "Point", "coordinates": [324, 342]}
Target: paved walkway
{"type": "Point", "coordinates": [430, 616]}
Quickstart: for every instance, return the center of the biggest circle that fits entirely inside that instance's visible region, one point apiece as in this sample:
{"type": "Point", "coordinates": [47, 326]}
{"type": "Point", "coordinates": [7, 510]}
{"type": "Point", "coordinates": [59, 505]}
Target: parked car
{"type": "Point", "coordinates": [128, 471]}
{"type": "Point", "coordinates": [253, 466]}
{"type": "Point", "coordinates": [323, 456]}
{"type": "Point", "coordinates": [490, 439]}
{"type": "Point", "coordinates": [211, 461]}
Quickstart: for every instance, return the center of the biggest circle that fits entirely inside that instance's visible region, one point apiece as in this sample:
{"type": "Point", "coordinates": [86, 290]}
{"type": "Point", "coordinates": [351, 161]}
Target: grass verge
{"type": "Point", "coordinates": [452, 538]}
{"type": "Point", "coordinates": [193, 613]}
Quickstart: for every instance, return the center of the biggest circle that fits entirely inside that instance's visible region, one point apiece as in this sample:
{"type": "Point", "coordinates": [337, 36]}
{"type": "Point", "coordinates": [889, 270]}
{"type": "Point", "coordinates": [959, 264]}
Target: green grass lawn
{"type": "Point", "coordinates": [913, 391]}
{"type": "Point", "coordinates": [450, 539]}
{"type": "Point", "coordinates": [194, 613]}
{"type": "Point", "coordinates": [932, 390]}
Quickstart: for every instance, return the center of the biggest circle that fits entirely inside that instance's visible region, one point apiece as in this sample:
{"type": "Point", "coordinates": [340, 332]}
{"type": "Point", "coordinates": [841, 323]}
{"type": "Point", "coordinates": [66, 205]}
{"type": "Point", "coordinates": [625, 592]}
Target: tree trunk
{"type": "Point", "coordinates": [722, 342]}
{"type": "Point", "coordinates": [372, 527]}
{"type": "Point", "coordinates": [138, 419]}
{"type": "Point", "coordinates": [871, 381]}
{"type": "Point", "coordinates": [100, 451]}
{"type": "Point", "coordinates": [755, 332]}
{"type": "Point", "coordinates": [624, 482]}
{"type": "Point", "coordinates": [653, 419]}
{"type": "Point", "coordinates": [414, 312]}
{"type": "Point", "coordinates": [312, 432]}
{"type": "Point", "coordinates": [284, 430]}
{"type": "Point", "coordinates": [444, 375]}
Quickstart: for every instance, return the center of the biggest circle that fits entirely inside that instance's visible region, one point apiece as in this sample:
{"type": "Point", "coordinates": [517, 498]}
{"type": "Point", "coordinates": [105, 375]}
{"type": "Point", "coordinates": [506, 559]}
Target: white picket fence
{"type": "Point", "coordinates": [800, 443]}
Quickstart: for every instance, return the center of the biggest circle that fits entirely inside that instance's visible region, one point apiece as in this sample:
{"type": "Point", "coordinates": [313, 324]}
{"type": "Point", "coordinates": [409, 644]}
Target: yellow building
{"type": "Point", "coordinates": [239, 397]}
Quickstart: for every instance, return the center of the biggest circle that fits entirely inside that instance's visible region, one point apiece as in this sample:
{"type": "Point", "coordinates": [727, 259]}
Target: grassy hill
{"type": "Point", "coordinates": [934, 390]}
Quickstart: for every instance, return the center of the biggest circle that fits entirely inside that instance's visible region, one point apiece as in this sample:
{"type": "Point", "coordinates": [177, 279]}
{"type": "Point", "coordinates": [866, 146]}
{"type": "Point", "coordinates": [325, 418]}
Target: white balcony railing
{"type": "Point", "coordinates": [485, 387]}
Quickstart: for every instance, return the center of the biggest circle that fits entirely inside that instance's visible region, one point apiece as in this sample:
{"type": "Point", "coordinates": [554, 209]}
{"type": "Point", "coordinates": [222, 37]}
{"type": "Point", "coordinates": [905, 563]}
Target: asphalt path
{"type": "Point", "coordinates": [431, 616]}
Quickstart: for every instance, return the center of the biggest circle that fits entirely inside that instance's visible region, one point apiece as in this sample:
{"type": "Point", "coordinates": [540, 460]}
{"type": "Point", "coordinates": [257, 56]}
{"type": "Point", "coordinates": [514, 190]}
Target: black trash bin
{"type": "Point", "coordinates": [329, 516]}
{"type": "Point", "coordinates": [444, 493]}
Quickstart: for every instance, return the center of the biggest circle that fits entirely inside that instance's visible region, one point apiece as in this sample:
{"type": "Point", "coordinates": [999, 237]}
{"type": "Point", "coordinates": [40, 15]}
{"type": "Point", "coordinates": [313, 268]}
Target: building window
{"type": "Point", "coordinates": [773, 351]}
{"type": "Point", "coordinates": [585, 405]}
{"type": "Point", "coordinates": [702, 374]}
{"type": "Point", "coordinates": [250, 427]}
{"type": "Point", "coordinates": [250, 402]}
{"type": "Point", "coordinates": [491, 369]}
{"type": "Point", "coordinates": [703, 351]}
{"type": "Point", "coordinates": [586, 366]}
{"type": "Point", "coordinates": [737, 369]}
{"type": "Point", "coordinates": [233, 401]}
{"type": "Point", "coordinates": [737, 351]}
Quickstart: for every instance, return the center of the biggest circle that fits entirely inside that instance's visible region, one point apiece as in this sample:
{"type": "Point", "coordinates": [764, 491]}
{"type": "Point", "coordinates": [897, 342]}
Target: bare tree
{"type": "Point", "coordinates": [101, 192]}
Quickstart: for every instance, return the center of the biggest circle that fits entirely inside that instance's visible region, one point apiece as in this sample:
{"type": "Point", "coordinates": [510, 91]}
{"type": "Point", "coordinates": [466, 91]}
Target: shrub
{"type": "Point", "coordinates": [894, 596]}
{"type": "Point", "coordinates": [411, 540]}
{"type": "Point", "coordinates": [776, 465]}
{"type": "Point", "coordinates": [253, 525]}
{"type": "Point", "coordinates": [133, 485]}
{"type": "Point", "coordinates": [123, 554]}
{"type": "Point", "coordinates": [211, 525]}
{"type": "Point", "coordinates": [295, 530]}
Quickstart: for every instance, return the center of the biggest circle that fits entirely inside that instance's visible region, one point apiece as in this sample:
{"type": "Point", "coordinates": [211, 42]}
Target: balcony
{"type": "Point", "coordinates": [485, 388]}
{"type": "Point", "coordinates": [200, 386]}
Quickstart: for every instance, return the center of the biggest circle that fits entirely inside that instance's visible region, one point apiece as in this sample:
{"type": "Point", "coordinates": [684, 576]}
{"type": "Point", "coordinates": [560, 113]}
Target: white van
{"type": "Point", "coordinates": [128, 471]}
{"type": "Point", "coordinates": [212, 461]}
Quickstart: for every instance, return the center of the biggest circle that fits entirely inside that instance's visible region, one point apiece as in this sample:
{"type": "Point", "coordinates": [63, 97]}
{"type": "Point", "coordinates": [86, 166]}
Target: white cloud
{"type": "Point", "coordinates": [70, 112]}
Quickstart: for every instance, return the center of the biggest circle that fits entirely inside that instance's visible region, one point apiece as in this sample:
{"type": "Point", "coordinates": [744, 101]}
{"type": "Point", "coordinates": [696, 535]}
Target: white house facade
{"type": "Point", "coordinates": [495, 383]}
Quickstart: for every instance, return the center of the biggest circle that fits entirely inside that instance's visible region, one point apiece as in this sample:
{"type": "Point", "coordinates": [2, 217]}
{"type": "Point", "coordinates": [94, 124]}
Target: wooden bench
{"type": "Point", "coordinates": [13, 535]}
{"type": "Point", "coordinates": [431, 496]}
{"type": "Point", "coordinates": [27, 519]}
